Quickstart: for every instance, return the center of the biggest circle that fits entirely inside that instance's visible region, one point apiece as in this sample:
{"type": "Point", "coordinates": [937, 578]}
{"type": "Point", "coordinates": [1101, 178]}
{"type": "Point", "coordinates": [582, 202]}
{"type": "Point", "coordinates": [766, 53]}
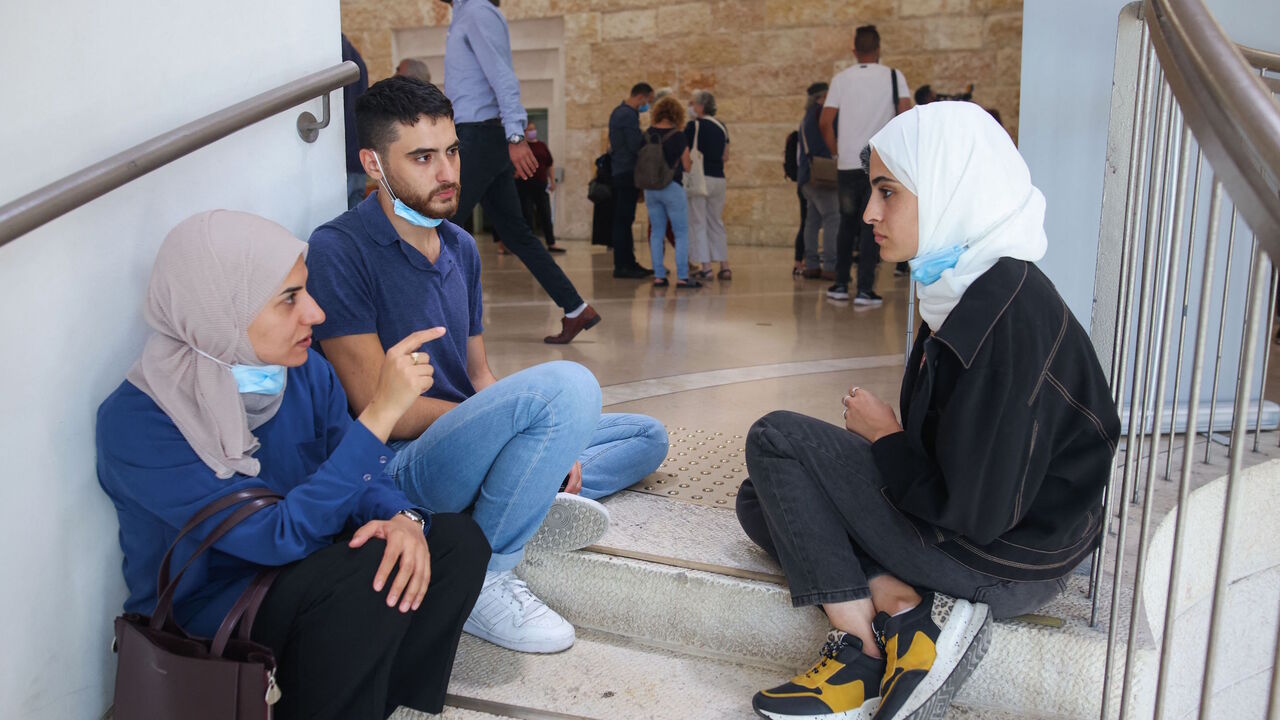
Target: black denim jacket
{"type": "Point", "coordinates": [1009, 431]}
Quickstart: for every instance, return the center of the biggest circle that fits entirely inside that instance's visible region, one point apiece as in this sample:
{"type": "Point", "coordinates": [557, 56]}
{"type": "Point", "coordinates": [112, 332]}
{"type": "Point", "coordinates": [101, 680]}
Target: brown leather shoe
{"type": "Point", "coordinates": [570, 327]}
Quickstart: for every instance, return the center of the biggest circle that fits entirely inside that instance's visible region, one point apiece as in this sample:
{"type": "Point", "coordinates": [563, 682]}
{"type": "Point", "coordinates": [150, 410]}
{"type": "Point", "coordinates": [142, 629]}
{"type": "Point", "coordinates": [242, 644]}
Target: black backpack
{"type": "Point", "coordinates": [790, 163]}
{"type": "Point", "coordinates": [652, 170]}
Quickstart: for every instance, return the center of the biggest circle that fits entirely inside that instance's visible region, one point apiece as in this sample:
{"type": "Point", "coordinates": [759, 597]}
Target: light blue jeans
{"type": "Point", "coordinates": [669, 203]}
{"type": "Point", "coordinates": [504, 453]}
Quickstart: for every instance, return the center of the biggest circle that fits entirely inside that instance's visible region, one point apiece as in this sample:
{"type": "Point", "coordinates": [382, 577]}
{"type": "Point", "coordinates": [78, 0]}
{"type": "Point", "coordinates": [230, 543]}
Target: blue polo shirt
{"type": "Point", "coordinates": [368, 280]}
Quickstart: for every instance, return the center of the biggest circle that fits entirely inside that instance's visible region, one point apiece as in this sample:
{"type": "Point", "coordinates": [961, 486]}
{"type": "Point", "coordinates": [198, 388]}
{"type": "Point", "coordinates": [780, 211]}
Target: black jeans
{"type": "Point", "coordinates": [804, 215]}
{"type": "Point", "coordinates": [855, 191]}
{"type": "Point", "coordinates": [815, 501]}
{"type": "Point", "coordinates": [343, 654]}
{"type": "Point", "coordinates": [535, 203]}
{"type": "Point", "coordinates": [488, 178]}
{"type": "Point", "coordinates": [625, 197]}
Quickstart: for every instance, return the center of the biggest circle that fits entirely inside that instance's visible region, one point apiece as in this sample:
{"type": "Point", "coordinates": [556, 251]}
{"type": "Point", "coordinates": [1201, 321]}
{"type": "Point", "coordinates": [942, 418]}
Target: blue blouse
{"type": "Point", "coordinates": [328, 467]}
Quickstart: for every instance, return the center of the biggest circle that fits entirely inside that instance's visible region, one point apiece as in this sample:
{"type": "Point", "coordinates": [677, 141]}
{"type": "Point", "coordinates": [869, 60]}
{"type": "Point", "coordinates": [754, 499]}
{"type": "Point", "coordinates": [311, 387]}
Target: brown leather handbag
{"type": "Point", "coordinates": [165, 673]}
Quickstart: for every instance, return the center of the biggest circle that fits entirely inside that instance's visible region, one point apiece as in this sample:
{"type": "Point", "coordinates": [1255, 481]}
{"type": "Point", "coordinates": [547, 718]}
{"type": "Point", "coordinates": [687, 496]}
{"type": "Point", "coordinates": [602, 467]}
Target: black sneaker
{"type": "Point", "coordinates": [866, 297]}
{"type": "Point", "coordinates": [930, 651]}
{"type": "Point", "coordinates": [843, 684]}
{"type": "Point", "coordinates": [839, 291]}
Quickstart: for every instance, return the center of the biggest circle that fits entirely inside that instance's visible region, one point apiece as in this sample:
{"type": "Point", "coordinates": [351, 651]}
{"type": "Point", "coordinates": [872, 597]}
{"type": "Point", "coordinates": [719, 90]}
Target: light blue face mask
{"type": "Point", "coordinates": [254, 379]}
{"type": "Point", "coordinates": [926, 269]}
{"type": "Point", "coordinates": [643, 108]}
{"type": "Point", "coordinates": [411, 216]}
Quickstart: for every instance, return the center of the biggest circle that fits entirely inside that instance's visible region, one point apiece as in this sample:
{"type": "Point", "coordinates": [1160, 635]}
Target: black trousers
{"type": "Point", "coordinates": [625, 197]}
{"type": "Point", "coordinates": [804, 215]}
{"type": "Point", "coordinates": [488, 178]}
{"type": "Point", "coordinates": [343, 654]}
{"type": "Point", "coordinates": [855, 191]}
{"type": "Point", "coordinates": [535, 203]}
{"type": "Point", "coordinates": [816, 502]}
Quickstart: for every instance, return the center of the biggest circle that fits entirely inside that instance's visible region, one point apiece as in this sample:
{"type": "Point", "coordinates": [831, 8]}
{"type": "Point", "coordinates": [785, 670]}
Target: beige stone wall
{"type": "Point", "coordinates": [757, 56]}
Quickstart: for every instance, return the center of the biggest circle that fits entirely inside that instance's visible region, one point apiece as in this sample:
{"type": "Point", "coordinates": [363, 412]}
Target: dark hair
{"type": "Point", "coordinates": [866, 39]}
{"type": "Point", "coordinates": [642, 88]}
{"type": "Point", "coordinates": [817, 88]}
{"type": "Point", "coordinates": [397, 99]}
{"type": "Point", "coordinates": [922, 94]}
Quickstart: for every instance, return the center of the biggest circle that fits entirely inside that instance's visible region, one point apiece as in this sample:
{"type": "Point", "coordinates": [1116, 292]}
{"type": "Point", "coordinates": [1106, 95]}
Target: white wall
{"type": "Point", "coordinates": [1067, 58]}
{"type": "Point", "coordinates": [85, 80]}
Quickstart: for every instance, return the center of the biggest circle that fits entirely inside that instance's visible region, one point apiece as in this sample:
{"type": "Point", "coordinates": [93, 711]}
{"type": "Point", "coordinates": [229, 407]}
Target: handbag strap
{"type": "Point", "coordinates": [164, 604]}
{"type": "Point", "coordinates": [208, 511]}
{"type": "Point", "coordinates": [893, 77]}
{"type": "Point", "coordinates": [244, 611]}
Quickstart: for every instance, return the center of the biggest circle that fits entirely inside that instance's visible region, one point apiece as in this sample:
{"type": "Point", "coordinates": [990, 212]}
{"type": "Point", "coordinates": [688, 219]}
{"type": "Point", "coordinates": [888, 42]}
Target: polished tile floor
{"type": "Point", "coordinates": [718, 357]}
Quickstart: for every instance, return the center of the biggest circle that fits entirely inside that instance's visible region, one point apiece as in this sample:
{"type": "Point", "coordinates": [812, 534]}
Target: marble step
{"type": "Point", "coordinates": [681, 576]}
{"type": "Point", "coordinates": [607, 677]}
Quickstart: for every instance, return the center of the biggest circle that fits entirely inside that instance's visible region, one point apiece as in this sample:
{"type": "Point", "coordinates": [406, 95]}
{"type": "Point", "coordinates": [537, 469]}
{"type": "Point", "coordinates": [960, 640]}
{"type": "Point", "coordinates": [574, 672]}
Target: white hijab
{"type": "Point", "coordinates": [973, 188]}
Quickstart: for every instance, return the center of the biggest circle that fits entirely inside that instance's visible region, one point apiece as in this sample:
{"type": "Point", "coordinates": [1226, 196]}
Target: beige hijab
{"type": "Point", "coordinates": [214, 273]}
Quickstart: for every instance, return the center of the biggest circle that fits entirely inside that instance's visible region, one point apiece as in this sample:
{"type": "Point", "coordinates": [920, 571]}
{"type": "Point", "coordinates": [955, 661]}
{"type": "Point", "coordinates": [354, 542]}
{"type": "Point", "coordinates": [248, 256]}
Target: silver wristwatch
{"type": "Point", "coordinates": [515, 138]}
{"type": "Point", "coordinates": [415, 516]}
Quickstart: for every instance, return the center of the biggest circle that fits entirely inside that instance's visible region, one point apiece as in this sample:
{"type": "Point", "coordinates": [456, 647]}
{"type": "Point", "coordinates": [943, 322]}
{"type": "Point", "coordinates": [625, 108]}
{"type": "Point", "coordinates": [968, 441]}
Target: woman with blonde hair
{"type": "Point", "coordinates": [667, 202]}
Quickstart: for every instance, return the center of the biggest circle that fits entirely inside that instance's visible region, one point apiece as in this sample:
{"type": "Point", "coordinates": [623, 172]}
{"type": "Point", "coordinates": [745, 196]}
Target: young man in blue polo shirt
{"type": "Point", "coordinates": [501, 448]}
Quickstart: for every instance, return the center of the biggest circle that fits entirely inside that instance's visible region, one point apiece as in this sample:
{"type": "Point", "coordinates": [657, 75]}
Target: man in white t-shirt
{"type": "Point", "coordinates": [862, 99]}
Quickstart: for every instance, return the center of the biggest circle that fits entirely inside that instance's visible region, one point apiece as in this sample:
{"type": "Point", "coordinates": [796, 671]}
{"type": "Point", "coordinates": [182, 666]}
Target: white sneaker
{"type": "Point", "coordinates": [508, 615]}
{"type": "Point", "coordinates": [572, 523]}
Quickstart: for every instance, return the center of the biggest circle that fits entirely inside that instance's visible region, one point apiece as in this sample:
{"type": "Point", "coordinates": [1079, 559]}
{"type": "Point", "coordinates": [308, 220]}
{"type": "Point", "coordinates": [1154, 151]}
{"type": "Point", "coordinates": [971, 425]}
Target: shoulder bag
{"type": "Point", "coordinates": [824, 174]}
{"type": "Point", "coordinates": [165, 673]}
{"type": "Point", "coordinates": [695, 181]}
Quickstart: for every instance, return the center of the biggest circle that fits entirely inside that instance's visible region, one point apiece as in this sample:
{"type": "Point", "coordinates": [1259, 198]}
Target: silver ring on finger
{"type": "Point", "coordinates": [845, 414]}
{"type": "Point", "coordinates": [414, 357]}
{"type": "Point", "coordinates": [853, 392]}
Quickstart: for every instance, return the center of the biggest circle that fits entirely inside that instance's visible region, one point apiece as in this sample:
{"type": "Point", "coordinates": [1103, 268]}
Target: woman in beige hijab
{"type": "Point", "coordinates": [228, 396]}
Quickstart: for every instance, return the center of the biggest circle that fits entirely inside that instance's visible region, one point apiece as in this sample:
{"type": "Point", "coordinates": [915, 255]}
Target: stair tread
{"type": "Point", "coordinates": [606, 676]}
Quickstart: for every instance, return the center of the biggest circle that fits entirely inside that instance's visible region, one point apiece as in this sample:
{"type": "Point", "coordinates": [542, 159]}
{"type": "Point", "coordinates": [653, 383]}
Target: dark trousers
{"type": "Point", "coordinates": [535, 203]}
{"type": "Point", "coordinates": [488, 178]}
{"type": "Point", "coordinates": [816, 501]}
{"type": "Point", "coordinates": [625, 197]}
{"type": "Point", "coordinates": [343, 654]}
{"type": "Point", "coordinates": [804, 215]}
{"type": "Point", "coordinates": [855, 191]}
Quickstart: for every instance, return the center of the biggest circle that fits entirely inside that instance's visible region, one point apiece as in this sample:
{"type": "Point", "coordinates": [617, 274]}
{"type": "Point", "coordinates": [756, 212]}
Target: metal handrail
{"type": "Point", "coordinates": [1261, 59]}
{"type": "Point", "coordinates": [62, 196]}
{"type": "Point", "coordinates": [1232, 114]}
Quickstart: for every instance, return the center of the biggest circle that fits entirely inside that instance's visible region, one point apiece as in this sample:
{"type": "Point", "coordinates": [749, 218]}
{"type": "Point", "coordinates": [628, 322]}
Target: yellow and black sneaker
{"type": "Point", "coordinates": [843, 684]}
{"type": "Point", "coordinates": [929, 650]}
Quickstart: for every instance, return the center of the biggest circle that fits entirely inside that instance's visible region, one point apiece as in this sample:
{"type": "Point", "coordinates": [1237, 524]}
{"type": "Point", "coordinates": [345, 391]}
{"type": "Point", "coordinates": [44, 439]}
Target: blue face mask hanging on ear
{"type": "Point", "coordinates": [408, 214]}
{"type": "Point", "coordinates": [926, 269]}
{"type": "Point", "coordinates": [255, 379]}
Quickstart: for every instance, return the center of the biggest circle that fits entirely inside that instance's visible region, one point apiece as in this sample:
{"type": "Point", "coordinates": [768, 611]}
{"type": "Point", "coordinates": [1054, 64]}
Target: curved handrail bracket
{"type": "Point", "coordinates": [1232, 114]}
{"type": "Point", "coordinates": [34, 209]}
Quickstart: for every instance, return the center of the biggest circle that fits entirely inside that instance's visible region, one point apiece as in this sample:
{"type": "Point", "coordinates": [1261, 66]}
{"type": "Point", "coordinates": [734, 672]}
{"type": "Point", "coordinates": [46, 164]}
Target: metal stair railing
{"type": "Point", "coordinates": [1194, 118]}
{"type": "Point", "coordinates": [30, 211]}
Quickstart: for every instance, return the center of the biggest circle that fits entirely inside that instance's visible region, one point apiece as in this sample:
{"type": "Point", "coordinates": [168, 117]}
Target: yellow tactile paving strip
{"type": "Point", "coordinates": [703, 467]}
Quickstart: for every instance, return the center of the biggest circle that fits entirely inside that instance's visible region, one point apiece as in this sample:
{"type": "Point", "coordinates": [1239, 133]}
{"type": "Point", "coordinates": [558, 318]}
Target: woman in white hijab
{"type": "Point", "coordinates": [228, 396]}
{"type": "Point", "coordinates": [981, 502]}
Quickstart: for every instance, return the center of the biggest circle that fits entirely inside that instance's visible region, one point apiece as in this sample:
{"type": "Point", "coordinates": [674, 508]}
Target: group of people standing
{"type": "Point", "coordinates": [677, 167]}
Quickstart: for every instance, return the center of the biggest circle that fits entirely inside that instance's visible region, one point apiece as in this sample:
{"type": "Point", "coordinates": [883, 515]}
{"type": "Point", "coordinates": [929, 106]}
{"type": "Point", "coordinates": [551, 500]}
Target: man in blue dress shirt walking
{"type": "Point", "coordinates": [481, 82]}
